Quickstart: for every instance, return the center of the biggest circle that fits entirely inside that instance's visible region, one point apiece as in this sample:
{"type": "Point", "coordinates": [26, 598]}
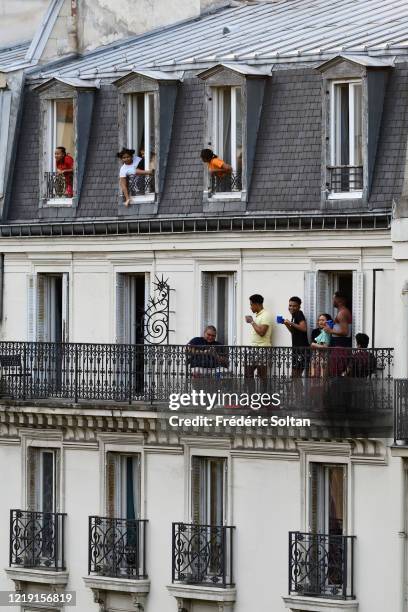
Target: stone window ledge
{"type": "Point", "coordinates": [107, 583]}
{"type": "Point", "coordinates": [297, 603]}
{"type": "Point", "coordinates": [204, 593]}
{"type": "Point", "coordinates": [43, 576]}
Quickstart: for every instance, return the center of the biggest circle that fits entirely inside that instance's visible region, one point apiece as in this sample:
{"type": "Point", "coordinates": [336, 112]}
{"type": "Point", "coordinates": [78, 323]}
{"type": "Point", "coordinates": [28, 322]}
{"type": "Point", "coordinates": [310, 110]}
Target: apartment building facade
{"type": "Point", "coordinates": [108, 498]}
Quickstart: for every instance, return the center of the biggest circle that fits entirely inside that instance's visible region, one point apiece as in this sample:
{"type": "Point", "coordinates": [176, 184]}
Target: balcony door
{"type": "Point", "coordinates": [131, 299]}
{"type": "Point", "coordinates": [219, 304]}
{"type": "Point", "coordinates": [319, 289]}
{"type": "Point", "coordinates": [327, 524]}
{"type": "Point", "coordinates": [208, 487]}
{"type": "Point", "coordinates": [48, 307]}
{"type": "Point", "coordinates": [122, 541]}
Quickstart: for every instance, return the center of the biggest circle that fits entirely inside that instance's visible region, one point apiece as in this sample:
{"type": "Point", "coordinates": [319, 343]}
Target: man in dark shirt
{"type": "Point", "coordinates": [203, 355]}
{"type": "Point", "coordinates": [300, 342]}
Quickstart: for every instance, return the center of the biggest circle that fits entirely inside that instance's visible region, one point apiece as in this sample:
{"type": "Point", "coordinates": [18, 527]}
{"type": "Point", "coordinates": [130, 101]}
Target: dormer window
{"type": "Point", "coordinates": [146, 108]}
{"type": "Point", "coordinates": [227, 138]}
{"type": "Point", "coordinates": [234, 97]}
{"type": "Point", "coordinates": [346, 168]}
{"type": "Point", "coordinates": [141, 137]}
{"type": "Point", "coordinates": [66, 113]}
{"type": "Point", "coordinates": [353, 90]}
{"type": "Point", "coordinates": [59, 176]}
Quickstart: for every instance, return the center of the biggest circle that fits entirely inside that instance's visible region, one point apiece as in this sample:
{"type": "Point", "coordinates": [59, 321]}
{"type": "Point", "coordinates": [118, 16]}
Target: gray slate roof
{"type": "Point", "coordinates": [13, 57]}
{"type": "Point", "coordinates": [261, 33]}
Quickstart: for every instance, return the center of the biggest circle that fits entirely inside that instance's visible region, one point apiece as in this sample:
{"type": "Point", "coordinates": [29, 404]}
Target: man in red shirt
{"type": "Point", "coordinates": [65, 165]}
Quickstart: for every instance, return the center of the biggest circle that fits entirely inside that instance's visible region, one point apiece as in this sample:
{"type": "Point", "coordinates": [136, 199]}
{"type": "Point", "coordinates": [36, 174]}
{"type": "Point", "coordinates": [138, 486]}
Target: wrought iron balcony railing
{"type": "Point", "coordinates": [202, 554]}
{"type": "Point", "coordinates": [58, 185]}
{"type": "Point", "coordinates": [343, 179]}
{"type": "Point", "coordinates": [117, 547]}
{"type": "Point", "coordinates": [335, 379]}
{"type": "Point", "coordinates": [225, 182]}
{"type": "Point", "coordinates": [37, 539]}
{"type": "Point", "coordinates": [401, 411]}
{"type": "Point", "coordinates": [321, 565]}
{"type": "Point", "coordinates": [141, 184]}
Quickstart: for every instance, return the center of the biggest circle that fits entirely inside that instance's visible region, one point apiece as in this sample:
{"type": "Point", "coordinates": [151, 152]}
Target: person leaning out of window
{"type": "Point", "coordinates": [130, 167]}
{"type": "Point", "coordinates": [64, 164]}
{"type": "Point", "coordinates": [216, 166]}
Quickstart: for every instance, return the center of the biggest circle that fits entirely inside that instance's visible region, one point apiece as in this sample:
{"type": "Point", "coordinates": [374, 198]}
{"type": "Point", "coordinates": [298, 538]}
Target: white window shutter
{"type": "Point", "coordinates": [309, 306]}
{"type": "Point", "coordinates": [31, 307]}
{"type": "Point", "coordinates": [207, 290]}
{"type": "Point", "coordinates": [358, 303]}
{"type": "Point", "coordinates": [65, 307]}
{"type": "Point", "coordinates": [120, 308]}
{"type": "Point", "coordinates": [41, 308]}
{"type": "Point", "coordinates": [233, 335]}
{"type": "Point", "coordinates": [324, 301]}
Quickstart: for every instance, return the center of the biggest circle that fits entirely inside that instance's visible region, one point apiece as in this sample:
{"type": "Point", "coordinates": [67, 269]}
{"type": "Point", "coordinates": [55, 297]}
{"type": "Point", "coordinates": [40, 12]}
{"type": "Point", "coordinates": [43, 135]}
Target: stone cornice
{"type": "Point", "coordinates": [84, 427]}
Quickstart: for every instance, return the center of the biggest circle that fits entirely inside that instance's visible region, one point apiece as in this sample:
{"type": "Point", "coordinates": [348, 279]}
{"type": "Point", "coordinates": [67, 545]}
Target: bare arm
{"type": "Point", "coordinates": [343, 323]}
{"type": "Point", "coordinates": [124, 188]}
{"type": "Point", "coordinates": [302, 326]}
{"type": "Point", "coordinates": [260, 329]}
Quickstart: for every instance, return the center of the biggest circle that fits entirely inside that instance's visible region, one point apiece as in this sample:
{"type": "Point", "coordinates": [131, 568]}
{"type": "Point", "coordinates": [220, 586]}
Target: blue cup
{"type": "Point", "coordinates": [280, 319]}
{"type": "Point", "coordinates": [330, 324]}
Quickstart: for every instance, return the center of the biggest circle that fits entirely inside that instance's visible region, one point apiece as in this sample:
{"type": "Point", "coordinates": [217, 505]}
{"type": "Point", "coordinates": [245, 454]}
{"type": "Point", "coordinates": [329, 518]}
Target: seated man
{"type": "Point", "coordinates": [203, 356]}
{"type": "Point", "coordinates": [362, 363]}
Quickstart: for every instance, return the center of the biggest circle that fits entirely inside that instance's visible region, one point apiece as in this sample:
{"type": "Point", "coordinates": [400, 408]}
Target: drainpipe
{"type": "Point", "coordinates": [375, 270]}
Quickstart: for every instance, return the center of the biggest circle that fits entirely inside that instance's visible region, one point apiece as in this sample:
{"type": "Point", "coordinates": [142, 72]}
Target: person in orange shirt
{"type": "Point", "coordinates": [215, 165]}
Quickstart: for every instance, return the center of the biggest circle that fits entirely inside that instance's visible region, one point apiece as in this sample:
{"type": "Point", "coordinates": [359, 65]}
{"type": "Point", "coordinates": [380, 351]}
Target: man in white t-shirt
{"type": "Point", "coordinates": [129, 168]}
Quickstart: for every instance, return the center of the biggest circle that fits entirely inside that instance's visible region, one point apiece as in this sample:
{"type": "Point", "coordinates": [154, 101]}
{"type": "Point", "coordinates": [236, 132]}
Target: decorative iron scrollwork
{"type": "Point", "coordinates": [157, 314]}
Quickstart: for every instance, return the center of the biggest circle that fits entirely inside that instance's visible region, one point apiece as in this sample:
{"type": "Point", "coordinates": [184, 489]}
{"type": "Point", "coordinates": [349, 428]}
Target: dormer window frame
{"type": "Point", "coordinates": [81, 92]}
{"type": "Point", "coordinates": [352, 184]}
{"type": "Point", "coordinates": [217, 121]}
{"type": "Point", "coordinates": [250, 80]}
{"type": "Point", "coordinates": [52, 144]}
{"type": "Point", "coordinates": [130, 130]}
{"type": "Point", "coordinates": [336, 137]}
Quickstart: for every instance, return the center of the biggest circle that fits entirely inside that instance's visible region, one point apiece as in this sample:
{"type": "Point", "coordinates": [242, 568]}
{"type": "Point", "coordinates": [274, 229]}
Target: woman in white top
{"type": "Point", "coordinates": [128, 168]}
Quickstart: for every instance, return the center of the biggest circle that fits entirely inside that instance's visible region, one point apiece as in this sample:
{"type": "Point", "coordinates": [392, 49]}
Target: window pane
{"type": "Point", "coordinates": [357, 153]}
{"type": "Point", "coordinates": [238, 129]}
{"type": "Point", "coordinates": [64, 118]}
{"type": "Point", "coordinates": [336, 499]}
{"type": "Point", "coordinates": [223, 145]}
{"type": "Point", "coordinates": [48, 482]}
{"type": "Point", "coordinates": [341, 125]}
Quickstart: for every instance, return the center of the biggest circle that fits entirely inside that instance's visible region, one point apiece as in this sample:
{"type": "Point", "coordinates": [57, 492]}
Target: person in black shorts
{"type": "Point", "coordinates": [297, 326]}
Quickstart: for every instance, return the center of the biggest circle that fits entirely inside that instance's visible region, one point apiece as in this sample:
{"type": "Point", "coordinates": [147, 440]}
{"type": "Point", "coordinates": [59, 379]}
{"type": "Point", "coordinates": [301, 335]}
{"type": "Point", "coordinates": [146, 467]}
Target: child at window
{"type": "Point", "coordinates": [129, 168]}
{"type": "Point", "coordinates": [64, 164]}
{"type": "Point", "coordinates": [215, 164]}
{"type": "Point", "coordinates": [319, 361]}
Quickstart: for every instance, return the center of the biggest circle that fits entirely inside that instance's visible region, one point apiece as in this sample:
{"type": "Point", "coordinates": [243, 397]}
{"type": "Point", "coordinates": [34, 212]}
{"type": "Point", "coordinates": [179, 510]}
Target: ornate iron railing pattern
{"type": "Point", "coordinates": [321, 565]}
{"type": "Point", "coordinates": [334, 378]}
{"type": "Point", "coordinates": [343, 179]}
{"type": "Point", "coordinates": [57, 185]}
{"type": "Point", "coordinates": [225, 182]}
{"type": "Point", "coordinates": [117, 547]}
{"type": "Point", "coordinates": [37, 539]}
{"type": "Point", "coordinates": [141, 184]}
{"type": "Point", "coordinates": [401, 411]}
{"type": "Point", "coordinates": [202, 554]}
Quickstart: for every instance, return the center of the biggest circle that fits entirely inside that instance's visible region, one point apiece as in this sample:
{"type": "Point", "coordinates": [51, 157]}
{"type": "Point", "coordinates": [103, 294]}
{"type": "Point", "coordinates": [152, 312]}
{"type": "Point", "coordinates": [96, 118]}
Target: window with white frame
{"type": "Point", "coordinates": [208, 490]}
{"type": "Point", "coordinates": [227, 126]}
{"type": "Point", "coordinates": [42, 479]}
{"type": "Point", "coordinates": [218, 304]}
{"type": "Point", "coordinates": [141, 128]}
{"type": "Point", "coordinates": [60, 151]}
{"type": "Point", "coordinates": [123, 485]}
{"type": "Point", "coordinates": [131, 298]}
{"type": "Point", "coordinates": [328, 496]}
{"type": "Point", "coordinates": [48, 307]}
{"type": "Point", "coordinates": [346, 146]}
